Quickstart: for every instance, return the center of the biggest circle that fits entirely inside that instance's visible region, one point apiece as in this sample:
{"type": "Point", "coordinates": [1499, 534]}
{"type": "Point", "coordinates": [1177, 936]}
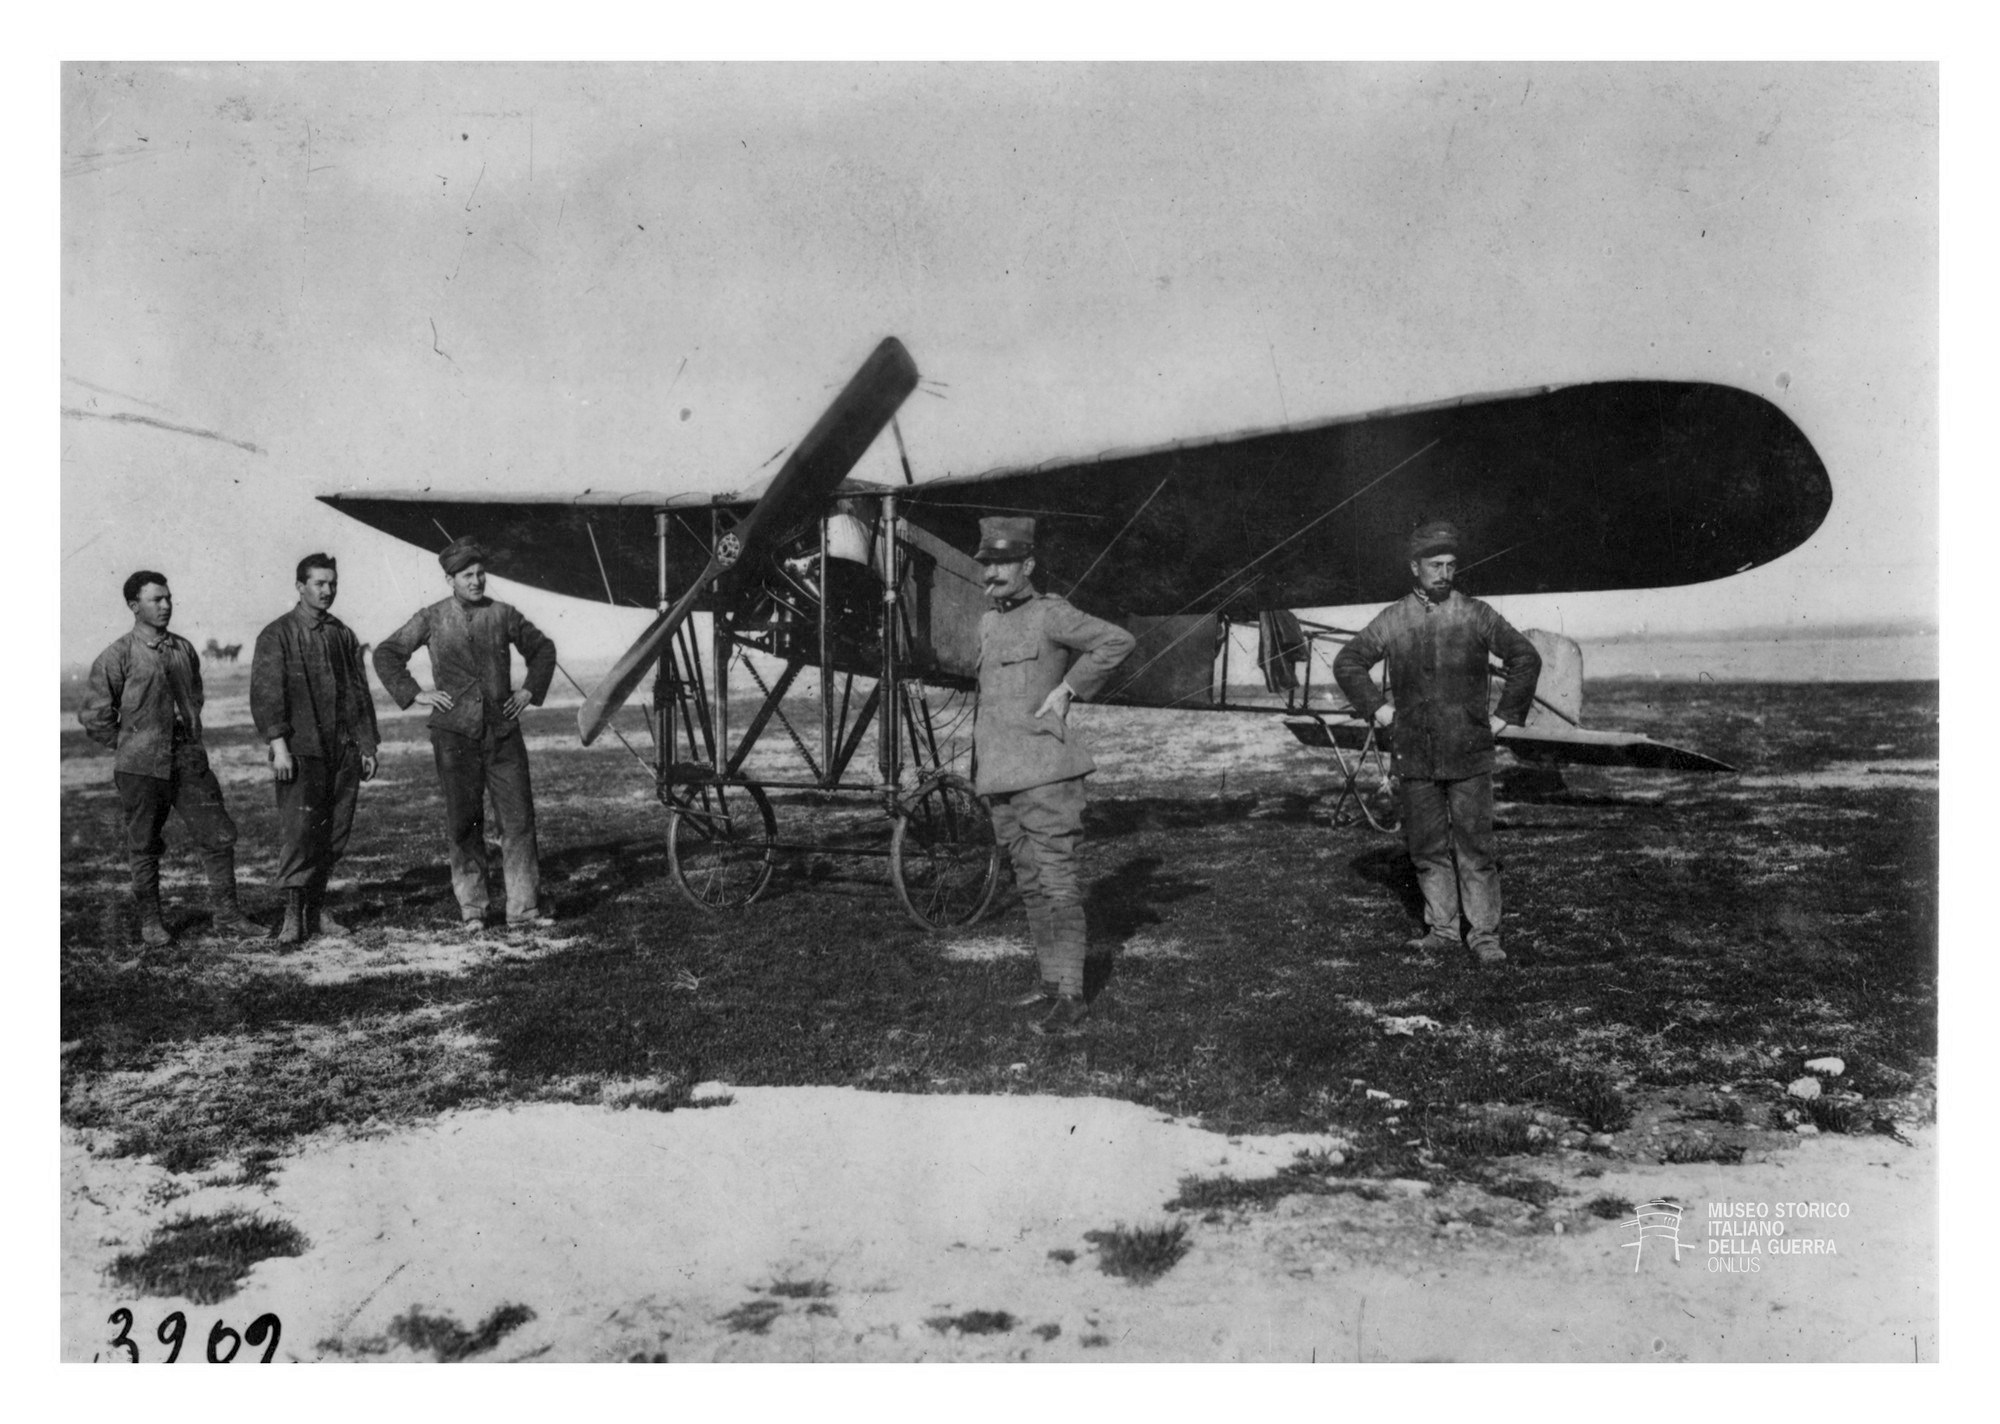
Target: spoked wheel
{"type": "Point", "coordinates": [719, 839]}
{"type": "Point", "coordinates": [943, 856]}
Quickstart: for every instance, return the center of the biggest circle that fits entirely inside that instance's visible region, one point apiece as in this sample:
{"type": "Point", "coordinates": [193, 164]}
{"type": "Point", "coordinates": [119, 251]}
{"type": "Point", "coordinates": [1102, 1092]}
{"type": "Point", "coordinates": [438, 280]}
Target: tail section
{"type": "Point", "coordinates": [1559, 690]}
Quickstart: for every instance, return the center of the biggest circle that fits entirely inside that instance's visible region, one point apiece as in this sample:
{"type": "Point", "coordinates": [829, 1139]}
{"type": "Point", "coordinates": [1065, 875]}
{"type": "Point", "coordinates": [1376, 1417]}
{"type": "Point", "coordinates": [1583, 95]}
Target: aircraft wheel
{"type": "Point", "coordinates": [943, 855]}
{"type": "Point", "coordinates": [719, 843]}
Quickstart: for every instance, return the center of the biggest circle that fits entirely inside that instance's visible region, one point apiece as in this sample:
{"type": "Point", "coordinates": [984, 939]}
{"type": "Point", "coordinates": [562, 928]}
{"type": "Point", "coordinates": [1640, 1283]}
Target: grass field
{"type": "Point", "coordinates": [1681, 945]}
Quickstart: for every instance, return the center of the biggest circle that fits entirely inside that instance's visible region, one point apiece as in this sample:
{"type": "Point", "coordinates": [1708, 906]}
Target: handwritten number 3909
{"type": "Point", "coordinates": [223, 1343]}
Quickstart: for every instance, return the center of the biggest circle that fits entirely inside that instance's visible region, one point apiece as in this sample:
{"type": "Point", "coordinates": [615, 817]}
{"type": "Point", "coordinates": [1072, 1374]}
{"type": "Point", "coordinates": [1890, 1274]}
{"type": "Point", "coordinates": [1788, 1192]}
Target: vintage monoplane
{"type": "Point", "coordinates": [1599, 486]}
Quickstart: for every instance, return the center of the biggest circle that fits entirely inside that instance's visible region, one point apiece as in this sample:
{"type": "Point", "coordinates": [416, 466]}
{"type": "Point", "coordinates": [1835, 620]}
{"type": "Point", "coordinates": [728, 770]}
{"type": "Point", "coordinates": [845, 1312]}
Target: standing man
{"type": "Point", "coordinates": [309, 698]}
{"type": "Point", "coordinates": [1036, 654]}
{"type": "Point", "coordinates": [1437, 642]}
{"type": "Point", "coordinates": [475, 731]}
{"type": "Point", "coordinates": [145, 700]}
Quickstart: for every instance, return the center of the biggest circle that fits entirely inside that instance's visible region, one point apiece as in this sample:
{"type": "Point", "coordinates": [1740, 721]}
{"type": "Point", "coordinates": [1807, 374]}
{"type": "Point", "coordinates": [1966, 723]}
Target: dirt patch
{"type": "Point", "coordinates": [1852, 776]}
{"type": "Point", "coordinates": [342, 959]}
{"type": "Point", "coordinates": [626, 1233]}
{"type": "Point", "coordinates": [982, 949]}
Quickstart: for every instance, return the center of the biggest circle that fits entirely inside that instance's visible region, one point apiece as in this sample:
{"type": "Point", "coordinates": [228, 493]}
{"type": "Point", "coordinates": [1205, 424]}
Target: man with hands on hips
{"type": "Point", "coordinates": [475, 729]}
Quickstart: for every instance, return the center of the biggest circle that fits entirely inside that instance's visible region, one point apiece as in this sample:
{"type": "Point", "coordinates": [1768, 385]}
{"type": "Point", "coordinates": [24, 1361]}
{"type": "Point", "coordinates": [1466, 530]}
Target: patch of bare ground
{"type": "Point", "coordinates": [597, 1235]}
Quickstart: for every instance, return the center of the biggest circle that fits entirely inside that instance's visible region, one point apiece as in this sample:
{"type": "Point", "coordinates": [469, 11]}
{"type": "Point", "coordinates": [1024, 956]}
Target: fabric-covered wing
{"type": "Point", "coordinates": [1611, 485]}
{"type": "Point", "coordinates": [573, 544]}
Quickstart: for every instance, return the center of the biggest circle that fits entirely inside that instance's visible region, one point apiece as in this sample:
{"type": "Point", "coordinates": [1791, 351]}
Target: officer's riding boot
{"type": "Point", "coordinates": [1069, 943]}
{"type": "Point", "coordinates": [227, 916]}
{"type": "Point", "coordinates": [146, 894]}
{"type": "Point", "coordinates": [1045, 990]}
{"type": "Point", "coordinates": [293, 931]}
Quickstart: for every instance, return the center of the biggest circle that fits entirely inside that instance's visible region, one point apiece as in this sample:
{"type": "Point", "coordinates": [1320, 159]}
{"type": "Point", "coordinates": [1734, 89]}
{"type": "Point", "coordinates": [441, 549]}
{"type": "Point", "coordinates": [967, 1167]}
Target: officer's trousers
{"type": "Point", "coordinates": [1042, 829]}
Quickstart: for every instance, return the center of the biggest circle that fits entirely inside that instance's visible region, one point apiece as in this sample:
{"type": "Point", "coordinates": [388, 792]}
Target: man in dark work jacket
{"type": "Point", "coordinates": [474, 726]}
{"type": "Point", "coordinates": [145, 701]}
{"type": "Point", "coordinates": [1437, 642]}
{"type": "Point", "coordinates": [1036, 653]}
{"type": "Point", "coordinates": [309, 698]}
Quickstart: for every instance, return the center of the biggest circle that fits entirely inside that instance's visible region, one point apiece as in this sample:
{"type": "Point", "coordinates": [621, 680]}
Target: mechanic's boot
{"type": "Point", "coordinates": [319, 920]}
{"type": "Point", "coordinates": [1432, 942]}
{"type": "Point", "coordinates": [542, 917]}
{"type": "Point", "coordinates": [1044, 992]}
{"type": "Point", "coordinates": [229, 920]}
{"type": "Point", "coordinates": [292, 932]}
{"type": "Point", "coordinates": [146, 897]}
{"type": "Point", "coordinates": [227, 917]}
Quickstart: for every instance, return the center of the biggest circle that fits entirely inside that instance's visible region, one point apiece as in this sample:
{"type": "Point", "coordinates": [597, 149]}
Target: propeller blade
{"type": "Point", "coordinates": [629, 671]}
{"type": "Point", "coordinates": [807, 480]}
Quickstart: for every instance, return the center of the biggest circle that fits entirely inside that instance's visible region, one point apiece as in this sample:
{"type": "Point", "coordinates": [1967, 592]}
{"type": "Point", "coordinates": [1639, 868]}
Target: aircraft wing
{"type": "Point", "coordinates": [1576, 746]}
{"type": "Point", "coordinates": [1609, 485]}
{"type": "Point", "coordinates": [576, 544]}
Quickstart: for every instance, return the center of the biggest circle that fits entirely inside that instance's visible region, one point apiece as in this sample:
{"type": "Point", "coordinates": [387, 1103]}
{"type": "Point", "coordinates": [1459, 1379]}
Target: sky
{"type": "Point", "coordinates": [284, 280]}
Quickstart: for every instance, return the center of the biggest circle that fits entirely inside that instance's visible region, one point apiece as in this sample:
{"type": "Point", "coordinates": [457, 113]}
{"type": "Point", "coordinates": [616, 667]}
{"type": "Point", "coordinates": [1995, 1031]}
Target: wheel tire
{"type": "Point", "coordinates": [719, 847]}
{"type": "Point", "coordinates": [943, 856]}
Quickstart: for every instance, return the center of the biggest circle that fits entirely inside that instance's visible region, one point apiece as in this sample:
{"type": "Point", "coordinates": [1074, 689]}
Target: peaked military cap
{"type": "Point", "coordinates": [1005, 538]}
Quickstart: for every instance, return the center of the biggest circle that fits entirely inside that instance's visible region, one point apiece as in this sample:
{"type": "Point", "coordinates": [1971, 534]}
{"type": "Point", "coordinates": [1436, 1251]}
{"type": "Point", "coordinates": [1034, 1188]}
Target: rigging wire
{"type": "Point", "coordinates": [1119, 535]}
{"type": "Point", "coordinates": [1300, 532]}
{"type": "Point", "coordinates": [614, 728]}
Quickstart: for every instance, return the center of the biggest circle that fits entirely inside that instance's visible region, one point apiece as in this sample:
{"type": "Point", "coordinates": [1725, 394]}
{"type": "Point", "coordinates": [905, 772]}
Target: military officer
{"type": "Point", "coordinates": [1037, 653]}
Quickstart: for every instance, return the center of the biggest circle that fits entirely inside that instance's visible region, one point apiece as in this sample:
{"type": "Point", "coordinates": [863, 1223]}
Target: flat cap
{"type": "Point", "coordinates": [461, 552]}
{"type": "Point", "coordinates": [1434, 537]}
{"type": "Point", "coordinates": [1005, 538]}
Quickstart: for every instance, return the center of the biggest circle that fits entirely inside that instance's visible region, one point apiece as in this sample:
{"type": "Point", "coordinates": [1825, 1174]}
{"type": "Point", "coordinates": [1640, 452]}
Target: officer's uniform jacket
{"type": "Point", "coordinates": [1438, 672]}
{"type": "Point", "coordinates": [145, 699]}
{"type": "Point", "coordinates": [308, 686]}
{"type": "Point", "coordinates": [469, 659]}
{"type": "Point", "coordinates": [1025, 651]}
